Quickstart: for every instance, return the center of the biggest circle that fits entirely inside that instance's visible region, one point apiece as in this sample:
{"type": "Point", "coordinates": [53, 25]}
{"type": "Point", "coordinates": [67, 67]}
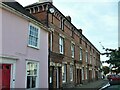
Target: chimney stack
{"type": "Point", "coordinates": [69, 18]}
{"type": "Point", "coordinates": [42, 1]}
{"type": "Point", "coordinates": [80, 30]}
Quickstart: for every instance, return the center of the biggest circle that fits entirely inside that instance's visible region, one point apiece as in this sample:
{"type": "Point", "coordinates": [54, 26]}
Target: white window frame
{"type": "Point", "coordinates": [38, 41]}
{"type": "Point", "coordinates": [94, 60]}
{"type": "Point", "coordinates": [51, 40]}
{"type": "Point", "coordinates": [82, 73]}
{"type": "Point", "coordinates": [86, 56]}
{"type": "Point", "coordinates": [61, 45]}
{"type": "Point", "coordinates": [90, 58]}
{"type": "Point", "coordinates": [64, 67]}
{"type": "Point", "coordinates": [92, 74]}
{"type": "Point", "coordinates": [81, 54]}
{"type": "Point", "coordinates": [71, 72]}
{"type": "Point", "coordinates": [37, 76]}
{"type": "Point", "coordinates": [73, 50]}
{"type": "Point", "coordinates": [86, 74]}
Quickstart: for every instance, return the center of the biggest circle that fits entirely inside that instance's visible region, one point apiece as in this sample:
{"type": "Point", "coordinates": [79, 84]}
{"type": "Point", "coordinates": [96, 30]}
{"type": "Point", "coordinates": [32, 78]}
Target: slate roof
{"type": "Point", "coordinates": [21, 9]}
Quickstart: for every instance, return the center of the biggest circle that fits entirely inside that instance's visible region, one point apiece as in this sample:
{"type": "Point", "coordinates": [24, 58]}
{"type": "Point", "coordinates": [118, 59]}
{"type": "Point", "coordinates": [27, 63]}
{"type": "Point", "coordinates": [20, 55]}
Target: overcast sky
{"type": "Point", "coordinates": [97, 18]}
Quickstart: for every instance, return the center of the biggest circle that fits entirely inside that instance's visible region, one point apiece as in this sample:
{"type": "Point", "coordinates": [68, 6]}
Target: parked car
{"type": "Point", "coordinates": [110, 76]}
{"type": "Point", "coordinates": [114, 80]}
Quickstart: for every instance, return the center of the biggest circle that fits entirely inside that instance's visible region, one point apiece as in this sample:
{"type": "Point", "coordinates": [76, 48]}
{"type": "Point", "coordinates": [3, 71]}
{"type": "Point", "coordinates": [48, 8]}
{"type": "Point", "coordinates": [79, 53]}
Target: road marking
{"type": "Point", "coordinates": [107, 85]}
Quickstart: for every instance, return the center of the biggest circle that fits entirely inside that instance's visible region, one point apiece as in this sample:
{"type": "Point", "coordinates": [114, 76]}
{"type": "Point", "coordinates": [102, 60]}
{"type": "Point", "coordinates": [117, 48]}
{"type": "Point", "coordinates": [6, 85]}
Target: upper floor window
{"type": "Point", "coordinates": [80, 40]}
{"type": "Point", "coordinates": [80, 53]}
{"type": "Point", "coordinates": [86, 56]}
{"type": "Point", "coordinates": [94, 60]}
{"type": "Point", "coordinates": [62, 23]}
{"type": "Point", "coordinates": [85, 44]}
{"type": "Point", "coordinates": [90, 48]}
{"type": "Point", "coordinates": [93, 50]}
{"type": "Point", "coordinates": [90, 59]}
{"type": "Point", "coordinates": [33, 39]}
{"type": "Point", "coordinates": [61, 45]}
{"type": "Point", "coordinates": [73, 50]}
{"type": "Point", "coordinates": [51, 40]}
{"type": "Point", "coordinates": [72, 34]}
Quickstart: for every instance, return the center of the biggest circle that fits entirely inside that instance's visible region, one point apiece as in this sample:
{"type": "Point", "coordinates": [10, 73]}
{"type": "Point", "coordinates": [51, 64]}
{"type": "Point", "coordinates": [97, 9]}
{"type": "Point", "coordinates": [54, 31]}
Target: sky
{"type": "Point", "coordinates": [97, 18]}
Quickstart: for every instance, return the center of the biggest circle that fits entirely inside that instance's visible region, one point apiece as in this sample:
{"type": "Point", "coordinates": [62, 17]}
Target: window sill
{"type": "Point", "coordinates": [33, 47]}
{"type": "Point", "coordinates": [31, 88]}
{"type": "Point", "coordinates": [63, 81]}
{"type": "Point", "coordinates": [71, 80]}
{"type": "Point", "coordinates": [61, 53]}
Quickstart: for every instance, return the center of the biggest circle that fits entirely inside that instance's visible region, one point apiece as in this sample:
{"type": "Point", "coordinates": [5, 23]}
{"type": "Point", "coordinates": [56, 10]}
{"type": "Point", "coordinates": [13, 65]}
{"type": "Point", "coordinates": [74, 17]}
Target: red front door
{"type": "Point", "coordinates": [5, 69]}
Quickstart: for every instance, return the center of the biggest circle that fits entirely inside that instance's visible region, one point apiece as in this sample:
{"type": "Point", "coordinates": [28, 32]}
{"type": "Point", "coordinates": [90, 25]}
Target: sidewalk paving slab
{"type": "Point", "coordinates": [96, 85]}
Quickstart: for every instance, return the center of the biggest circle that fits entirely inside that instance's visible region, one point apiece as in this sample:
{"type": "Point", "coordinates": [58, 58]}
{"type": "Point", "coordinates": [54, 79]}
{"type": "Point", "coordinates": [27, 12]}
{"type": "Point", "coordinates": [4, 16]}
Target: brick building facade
{"type": "Point", "coordinates": [73, 58]}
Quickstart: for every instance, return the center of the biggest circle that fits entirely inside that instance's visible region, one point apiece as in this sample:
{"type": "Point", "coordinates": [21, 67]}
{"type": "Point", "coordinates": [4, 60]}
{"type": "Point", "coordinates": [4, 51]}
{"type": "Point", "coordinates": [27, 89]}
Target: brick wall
{"type": "Point", "coordinates": [54, 22]}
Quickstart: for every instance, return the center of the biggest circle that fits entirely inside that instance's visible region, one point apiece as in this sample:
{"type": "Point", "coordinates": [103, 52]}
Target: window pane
{"type": "Point", "coordinates": [80, 54]}
{"type": "Point", "coordinates": [31, 68]}
{"type": "Point", "coordinates": [33, 36]}
{"type": "Point", "coordinates": [34, 82]}
{"type": "Point", "coordinates": [61, 45]}
{"type": "Point", "coordinates": [31, 81]}
{"type": "Point", "coordinates": [72, 49]}
{"type": "Point", "coordinates": [71, 73]}
{"type": "Point", "coordinates": [28, 81]}
{"type": "Point", "coordinates": [64, 73]}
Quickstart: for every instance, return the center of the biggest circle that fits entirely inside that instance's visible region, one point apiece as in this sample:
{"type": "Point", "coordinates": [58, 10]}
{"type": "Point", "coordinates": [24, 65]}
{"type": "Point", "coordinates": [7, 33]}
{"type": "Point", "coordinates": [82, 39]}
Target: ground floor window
{"type": "Point", "coordinates": [64, 67]}
{"type": "Point", "coordinates": [32, 74]}
{"type": "Point", "coordinates": [86, 74]}
{"type": "Point", "coordinates": [71, 73]}
{"type": "Point", "coordinates": [83, 73]}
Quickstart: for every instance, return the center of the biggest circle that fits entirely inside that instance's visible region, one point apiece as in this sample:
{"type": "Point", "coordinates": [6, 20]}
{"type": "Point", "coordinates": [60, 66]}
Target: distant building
{"type": "Point", "coordinates": [73, 58]}
{"type": "Point", "coordinates": [24, 52]}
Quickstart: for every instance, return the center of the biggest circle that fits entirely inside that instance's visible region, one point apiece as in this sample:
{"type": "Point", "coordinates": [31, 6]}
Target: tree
{"type": "Point", "coordinates": [114, 58]}
{"type": "Point", "coordinates": [106, 69]}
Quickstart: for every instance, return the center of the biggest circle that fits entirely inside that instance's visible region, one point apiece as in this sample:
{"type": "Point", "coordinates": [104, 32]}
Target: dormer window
{"type": "Point", "coordinates": [72, 34]}
{"type": "Point", "coordinates": [61, 23]}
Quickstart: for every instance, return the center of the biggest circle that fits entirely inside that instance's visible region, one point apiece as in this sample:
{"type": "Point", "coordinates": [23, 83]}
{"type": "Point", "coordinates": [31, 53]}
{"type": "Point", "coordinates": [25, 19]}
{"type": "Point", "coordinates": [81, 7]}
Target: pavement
{"type": "Point", "coordinates": [95, 85]}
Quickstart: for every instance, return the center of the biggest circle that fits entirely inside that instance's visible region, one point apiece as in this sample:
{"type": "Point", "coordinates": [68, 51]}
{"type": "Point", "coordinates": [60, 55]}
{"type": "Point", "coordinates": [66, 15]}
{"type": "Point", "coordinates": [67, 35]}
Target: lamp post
{"type": "Point", "coordinates": [51, 11]}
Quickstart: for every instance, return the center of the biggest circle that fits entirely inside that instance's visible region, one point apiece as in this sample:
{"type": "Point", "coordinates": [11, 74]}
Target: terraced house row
{"type": "Point", "coordinates": [41, 48]}
{"type": "Point", "coordinates": [73, 58]}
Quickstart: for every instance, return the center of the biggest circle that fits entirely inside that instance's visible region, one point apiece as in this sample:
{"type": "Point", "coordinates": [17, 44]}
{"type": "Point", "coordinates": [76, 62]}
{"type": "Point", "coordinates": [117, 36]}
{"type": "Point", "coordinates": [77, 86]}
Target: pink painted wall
{"type": "Point", "coordinates": [14, 41]}
{"type": "Point", "coordinates": [0, 31]}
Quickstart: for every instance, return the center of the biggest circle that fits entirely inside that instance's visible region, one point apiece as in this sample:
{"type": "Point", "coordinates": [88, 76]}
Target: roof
{"type": "Point", "coordinates": [21, 9]}
{"type": "Point", "coordinates": [34, 4]}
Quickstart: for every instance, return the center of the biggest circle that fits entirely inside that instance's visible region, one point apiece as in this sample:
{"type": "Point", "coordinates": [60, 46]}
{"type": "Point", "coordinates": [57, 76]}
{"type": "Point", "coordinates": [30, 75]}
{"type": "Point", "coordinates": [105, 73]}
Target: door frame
{"type": "Point", "coordinates": [12, 61]}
